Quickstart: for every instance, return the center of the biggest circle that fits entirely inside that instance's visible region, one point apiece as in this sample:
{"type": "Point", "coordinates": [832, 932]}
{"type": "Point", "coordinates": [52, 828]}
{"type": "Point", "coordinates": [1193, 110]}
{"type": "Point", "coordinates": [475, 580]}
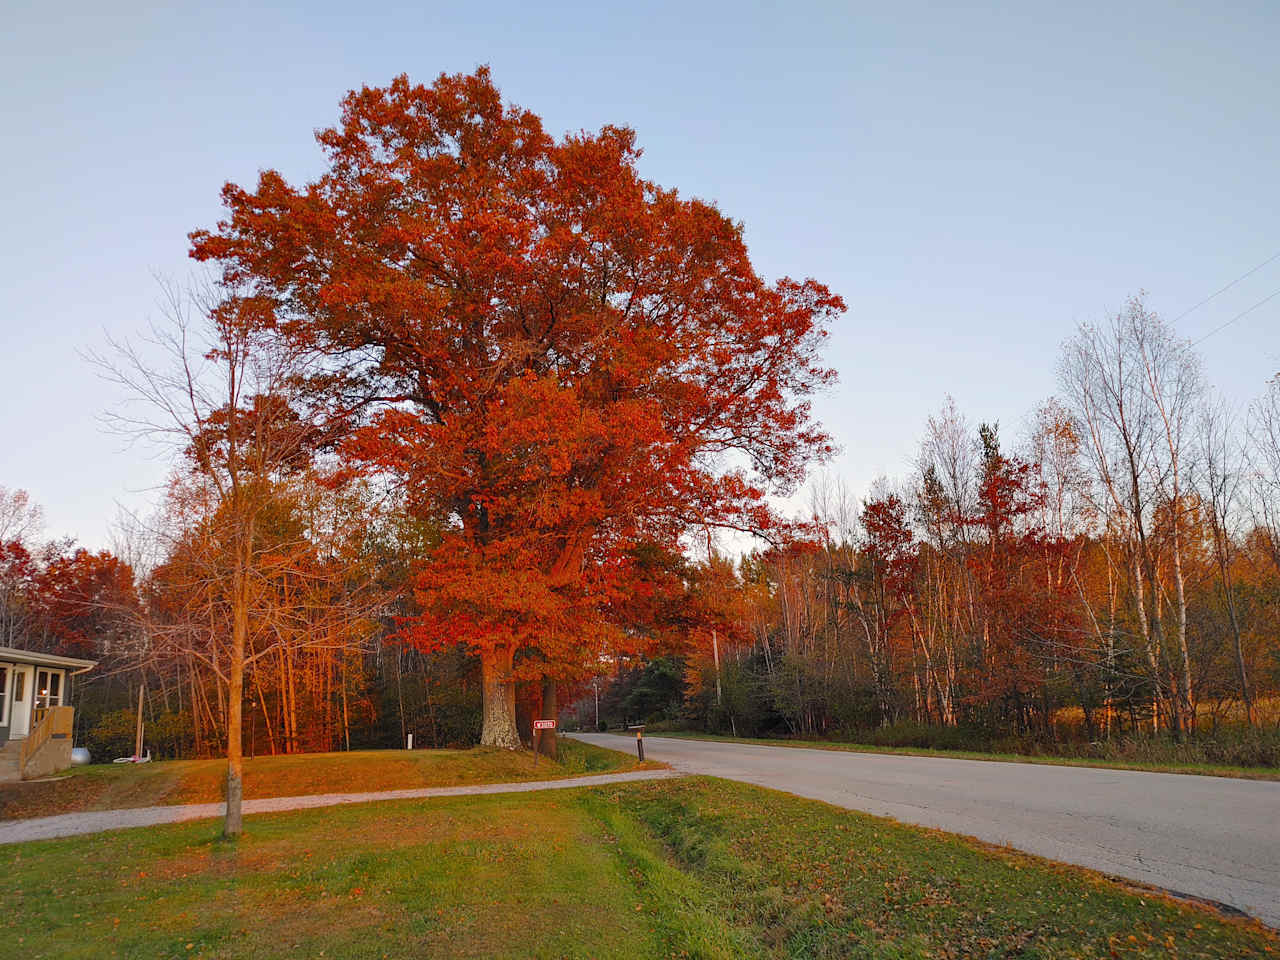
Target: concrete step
{"type": "Point", "coordinates": [9, 760]}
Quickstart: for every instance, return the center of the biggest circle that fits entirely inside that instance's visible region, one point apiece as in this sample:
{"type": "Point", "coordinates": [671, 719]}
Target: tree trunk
{"type": "Point", "coordinates": [266, 714]}
{"type": "Point", "coordinates": [235, 701]}
{"type": "Point", "coordinates": [1240, 667]}
{"type": "Point", "coordinates": [291, 701]}
{"type": "Point", "coordinates": [1224, 568]}
{"type": "Point", "coordinates": [195, 711]}
{"type": "Point", "coordinates": [1186, 698]}
{"type": "Point", "coordinates": [346, 718]}
{"type": "Point", "coordinates": [404, 733]}
{"type": "Point", "coordinates": [547, 744]}
{"type": "Point", "coordinates": [137, 746]}
{"type": "Point", "coordinates": [1150, 629]}
{"type": "Point", "coordinates": [499, 691]}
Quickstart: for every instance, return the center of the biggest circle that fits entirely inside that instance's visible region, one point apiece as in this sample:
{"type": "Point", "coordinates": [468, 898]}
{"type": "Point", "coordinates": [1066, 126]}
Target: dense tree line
{"type": "Point", "coordinates": [328, 668]}
{"type": "Point", "coordinates": [1114, 573]}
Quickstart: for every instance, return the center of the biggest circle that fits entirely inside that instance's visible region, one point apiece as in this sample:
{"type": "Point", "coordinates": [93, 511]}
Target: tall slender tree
{"type": "Point", "coordinates": [214, 382]}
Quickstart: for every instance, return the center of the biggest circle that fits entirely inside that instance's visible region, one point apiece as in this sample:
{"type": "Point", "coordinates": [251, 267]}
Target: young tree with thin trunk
{"type": "Point", "coordinates": [214, 382]}
{"type": "Point", "coordinates": [1264, 467]}
{"type": "Point", "coordinates": [1221, 472]}
{"type": "Point", "coordinates": [1175, 389]}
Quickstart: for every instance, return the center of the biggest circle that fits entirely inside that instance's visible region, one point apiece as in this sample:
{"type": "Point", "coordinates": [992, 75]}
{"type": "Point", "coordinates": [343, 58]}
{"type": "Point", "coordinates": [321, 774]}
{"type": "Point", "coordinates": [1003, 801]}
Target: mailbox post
{"type": "Point", "coordinates": [639, 729]}
{"type": "Point", "coordinates": [538, 727]}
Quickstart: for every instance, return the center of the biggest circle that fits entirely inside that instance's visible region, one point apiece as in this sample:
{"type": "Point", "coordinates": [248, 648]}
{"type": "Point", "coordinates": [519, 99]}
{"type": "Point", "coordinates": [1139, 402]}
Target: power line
{"type": "Point", "coordinates": [1244, 276]}
{"type": "Point", "coordinates": [1238, 316]}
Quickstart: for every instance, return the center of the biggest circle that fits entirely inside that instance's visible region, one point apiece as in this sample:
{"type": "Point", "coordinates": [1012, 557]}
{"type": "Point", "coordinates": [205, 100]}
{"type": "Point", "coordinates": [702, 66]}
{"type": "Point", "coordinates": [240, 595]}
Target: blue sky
{"type": "Point", "coordinates": [974, 180]}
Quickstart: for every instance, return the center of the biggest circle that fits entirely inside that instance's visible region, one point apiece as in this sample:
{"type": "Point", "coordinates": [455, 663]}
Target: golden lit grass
{"type": "Point", "coordinates": [119, 786]}
{"type": "Point", "coordinates": [1266, 713]}
{"type": "Point", "coordinates": [491, 877]}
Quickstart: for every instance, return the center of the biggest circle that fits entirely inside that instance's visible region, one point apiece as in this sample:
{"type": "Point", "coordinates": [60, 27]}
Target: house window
{"type": "Point", "coordinates": [48, 688]}
{"type": "Point", "coordinates": [19, 686]}
{"type": "Point", "coordinates": [4, 696]}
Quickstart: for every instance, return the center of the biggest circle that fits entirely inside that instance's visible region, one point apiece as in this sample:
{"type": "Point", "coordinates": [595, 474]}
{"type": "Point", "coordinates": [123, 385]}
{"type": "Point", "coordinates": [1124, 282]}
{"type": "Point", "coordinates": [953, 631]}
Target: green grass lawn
{"type": "Point", "coordinates": [117, 786]}
{"type": "Point", "coordinates": [1201, 769]}
{"type": "Point", "coordinates": [686, 868]}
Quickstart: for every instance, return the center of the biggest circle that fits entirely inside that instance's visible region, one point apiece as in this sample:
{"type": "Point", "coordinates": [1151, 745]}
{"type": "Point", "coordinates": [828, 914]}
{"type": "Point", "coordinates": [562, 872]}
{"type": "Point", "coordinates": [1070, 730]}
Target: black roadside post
{"type": "Point", "coordinates": [639, 741]}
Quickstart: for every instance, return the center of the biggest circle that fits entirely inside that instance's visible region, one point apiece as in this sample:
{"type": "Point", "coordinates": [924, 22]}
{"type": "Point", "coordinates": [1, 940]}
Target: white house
{"type": "Point", "coordinates": [36, 709]}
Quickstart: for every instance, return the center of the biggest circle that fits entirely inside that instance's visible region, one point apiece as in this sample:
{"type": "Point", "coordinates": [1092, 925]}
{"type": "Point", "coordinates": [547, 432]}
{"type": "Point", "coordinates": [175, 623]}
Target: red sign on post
{"type": "Point", "coordinates": [544, 724]}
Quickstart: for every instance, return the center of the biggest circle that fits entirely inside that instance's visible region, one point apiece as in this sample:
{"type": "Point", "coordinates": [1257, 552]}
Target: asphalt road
{"type": "Point", "coordinates": [1209, 837]}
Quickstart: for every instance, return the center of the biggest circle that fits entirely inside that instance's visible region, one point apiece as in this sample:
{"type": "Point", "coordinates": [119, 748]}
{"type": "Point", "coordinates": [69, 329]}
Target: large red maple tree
{"type": "Point", "coordinates": [562, 361]}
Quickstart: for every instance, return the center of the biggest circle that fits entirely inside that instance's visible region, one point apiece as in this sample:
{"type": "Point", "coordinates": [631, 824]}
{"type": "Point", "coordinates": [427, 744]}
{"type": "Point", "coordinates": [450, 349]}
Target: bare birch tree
{"type": "Point", "coordinates": [1175, 390]}
{"type": "Point", "coordinates": [1102, 374]}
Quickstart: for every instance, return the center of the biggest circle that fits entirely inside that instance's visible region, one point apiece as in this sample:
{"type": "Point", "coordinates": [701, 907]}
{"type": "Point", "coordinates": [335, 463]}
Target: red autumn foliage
{"type": "Point", "coordinates": [68, 602]}
{"type": "Point", "coordinates": [561, 360]}
{"type": "Point", "coordinates": [87, 599]}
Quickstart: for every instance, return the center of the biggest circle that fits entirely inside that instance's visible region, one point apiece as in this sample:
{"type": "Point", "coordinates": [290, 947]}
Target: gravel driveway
{"type": "Point", "coordinates": [71, 824]}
